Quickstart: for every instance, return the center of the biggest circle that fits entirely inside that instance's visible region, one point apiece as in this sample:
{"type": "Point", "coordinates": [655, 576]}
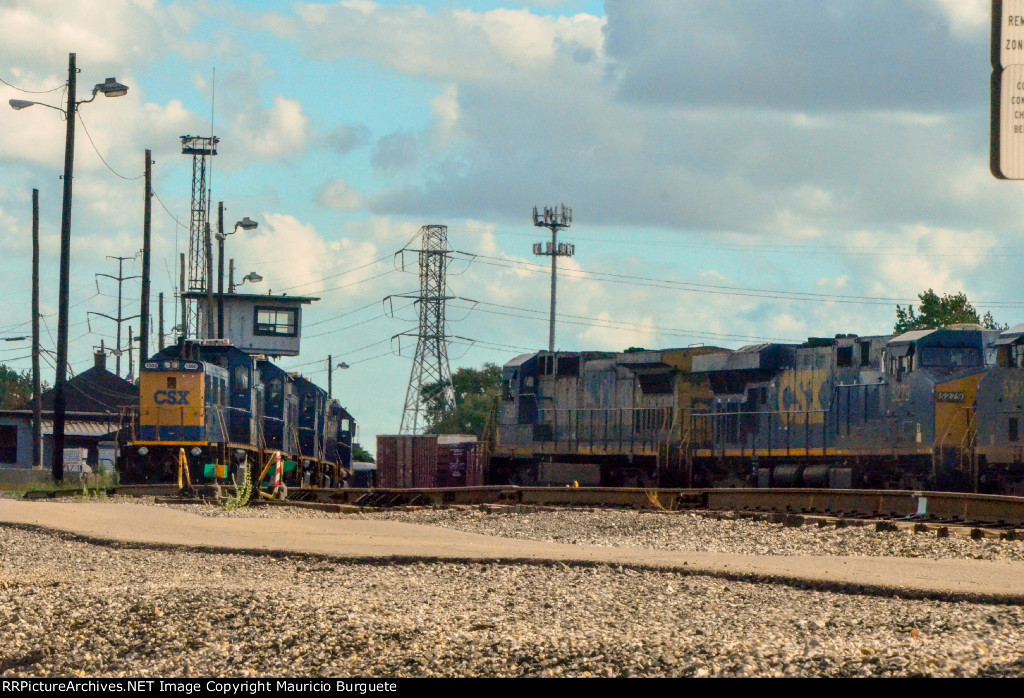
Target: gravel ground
{"type": "Point", "coordinates": [69, 608]}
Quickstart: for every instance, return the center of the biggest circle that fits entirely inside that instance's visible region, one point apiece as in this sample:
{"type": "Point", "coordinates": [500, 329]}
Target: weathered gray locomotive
{"type": "Point", "coordinates": [930, 409]}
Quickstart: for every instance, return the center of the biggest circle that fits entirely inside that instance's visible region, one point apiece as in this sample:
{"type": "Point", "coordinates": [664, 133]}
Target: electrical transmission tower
{"type": "Point", "coordinates": [430, 381]}
{"type": "Point", "coordinates": [555, 219]}
{"type": "Point", "coordinates": [201, 148]}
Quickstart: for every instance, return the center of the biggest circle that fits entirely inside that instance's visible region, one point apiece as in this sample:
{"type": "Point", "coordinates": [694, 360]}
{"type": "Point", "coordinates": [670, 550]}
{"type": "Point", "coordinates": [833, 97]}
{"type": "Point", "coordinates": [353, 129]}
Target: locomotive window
{"type": "Point", "coordinates": [568, 365]}
{"type": "Point", "coordinates": [506, 392]}
{"type": "Point", "coordinates": [274, 390]}
{"type": "Point", "coordinates": [950, 356]}
{"type": "Point", "coordinates": [865, 353]}
{"type": "Point", "coordinates": [276, 322]}
{"type": "Point", "coordinates": [844, 356]}
{"type": "Point", "coordinates": [241, 377]}
{"type": "Point", "coordinates": [1013, 429]}
{"type": "Point", "coordinates": [172, 382]}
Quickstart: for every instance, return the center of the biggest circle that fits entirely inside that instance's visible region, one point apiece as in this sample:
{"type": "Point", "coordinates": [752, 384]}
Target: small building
{"type": "Point", "coordinates": [255, 323]}
{"type": "Point", "coordinates": [98, 409]}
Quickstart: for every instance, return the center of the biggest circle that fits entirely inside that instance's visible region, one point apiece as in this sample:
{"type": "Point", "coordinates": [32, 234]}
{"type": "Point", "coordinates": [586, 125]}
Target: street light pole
{"type": "Point", "coordinates": [245, 224]}
{"type": "Point", "coordinates": [59, 396]}
{"type": "Point", "coordinates": [110, 88]}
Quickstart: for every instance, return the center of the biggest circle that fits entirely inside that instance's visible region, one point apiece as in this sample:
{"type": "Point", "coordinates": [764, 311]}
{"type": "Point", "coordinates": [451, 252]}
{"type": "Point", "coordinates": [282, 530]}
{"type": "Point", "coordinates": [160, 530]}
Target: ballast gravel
{"type": "Point", "coordinates": [71, 608]}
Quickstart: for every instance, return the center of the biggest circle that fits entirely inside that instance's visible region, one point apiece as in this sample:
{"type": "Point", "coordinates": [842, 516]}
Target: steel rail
{"type": "Point", "coordinates": [946, 507]}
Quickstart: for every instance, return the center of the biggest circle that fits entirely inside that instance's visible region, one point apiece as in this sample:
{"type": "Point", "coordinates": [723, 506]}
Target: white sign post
{"type": "Point", "coordinates": [1007, 115]}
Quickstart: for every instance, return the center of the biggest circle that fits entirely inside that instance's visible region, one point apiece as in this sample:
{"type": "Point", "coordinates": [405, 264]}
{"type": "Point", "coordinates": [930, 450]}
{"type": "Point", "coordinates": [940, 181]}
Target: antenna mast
{"type": "Point", "coordinates": [202, 149]}
{"type": "Point", "coordinates": [555, 219]}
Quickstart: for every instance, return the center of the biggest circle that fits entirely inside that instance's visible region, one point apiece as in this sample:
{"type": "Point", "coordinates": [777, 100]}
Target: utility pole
{"type": "Point", "coordinates": [59, 383]}
{"type": "Point", "coordinates": [555, 220]}
{"type": "Point", "coordinates": [37, 404]}
{"type": "Point", "coordinates": [120, 279]}
{"type": "Point", "coordinates": [430, 381]}
{"type": "Point", "coordinates": [208, 242]}
{"type": "Point", "coordinates": [181, 300]}
{"type": "Point", "coordinates": [160, 330]}
{"type": "Point", "coordinates": [220, 270]}
{"type": "Point", "coordinates": [147, 216]}
{"type": "Point", "coordinates": [131, 354]}
{"type": "Point", "coordinates": [330, 376]}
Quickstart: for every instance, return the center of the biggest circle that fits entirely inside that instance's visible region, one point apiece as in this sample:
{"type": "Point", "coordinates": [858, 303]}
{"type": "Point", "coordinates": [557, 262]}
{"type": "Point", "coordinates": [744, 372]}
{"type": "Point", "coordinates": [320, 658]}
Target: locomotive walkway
{"type": "Point", "coordinates": [358, 540]}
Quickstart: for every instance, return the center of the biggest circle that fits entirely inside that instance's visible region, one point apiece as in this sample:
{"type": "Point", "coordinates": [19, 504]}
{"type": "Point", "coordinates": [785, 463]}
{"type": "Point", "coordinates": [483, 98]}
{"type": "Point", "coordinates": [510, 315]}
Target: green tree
{"type": "Point", "coordinates": [476, 395]}
{"type": "Point", "coordinates": [15, 388]}
{"type": "Point", "coordinates": [361, 454]}
{"type": "Point", "coordinates": [938, 312]}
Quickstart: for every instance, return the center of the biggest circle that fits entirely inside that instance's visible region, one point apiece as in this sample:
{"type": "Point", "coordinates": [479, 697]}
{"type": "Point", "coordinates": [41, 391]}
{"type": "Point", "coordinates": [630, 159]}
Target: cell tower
{"type": "Point", "coordinates": [201, 148]}
{"type": "Point", "coordinates": [430, 381]}
{"type": "Point", "coordinates": [555, 219]}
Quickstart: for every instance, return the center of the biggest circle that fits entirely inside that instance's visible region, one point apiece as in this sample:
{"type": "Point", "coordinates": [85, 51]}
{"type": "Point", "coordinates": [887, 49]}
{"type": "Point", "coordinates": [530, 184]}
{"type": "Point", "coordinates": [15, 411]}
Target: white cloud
{"type": "Point", "coordinates": [967, 17]}
{"type": "Point", "coordinates": [449, 45]}
{"type": "Point", "coordinates": [106, 35]}
{"type": "Point", "coordinates": [337, 194]}
{"type": "Point", "coordinates": [280, 132]}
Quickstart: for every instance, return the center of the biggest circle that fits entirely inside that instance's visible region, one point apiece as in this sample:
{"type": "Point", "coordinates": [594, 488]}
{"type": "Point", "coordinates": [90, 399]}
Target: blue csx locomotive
{"type": "Point", "coordinates": [930, 409]}
{"type": "Point", "coordinates": [223, 406]}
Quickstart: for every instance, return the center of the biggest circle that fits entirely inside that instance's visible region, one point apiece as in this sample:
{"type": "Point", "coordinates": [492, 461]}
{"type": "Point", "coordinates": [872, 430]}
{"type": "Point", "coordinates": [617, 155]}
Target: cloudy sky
{"type": "Point", "coordinates": [738, 171]}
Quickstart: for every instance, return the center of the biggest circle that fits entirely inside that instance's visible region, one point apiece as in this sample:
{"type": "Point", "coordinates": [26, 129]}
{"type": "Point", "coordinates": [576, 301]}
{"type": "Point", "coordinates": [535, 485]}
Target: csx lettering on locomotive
{"type": "Point", "coordinates": [171, 397]}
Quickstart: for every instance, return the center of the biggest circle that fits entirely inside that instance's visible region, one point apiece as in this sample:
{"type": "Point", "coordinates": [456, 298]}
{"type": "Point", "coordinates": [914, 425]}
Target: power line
{"type": "Point", "coordinates": [884, 249]}
{"type": "Point", "coordinates": [34, 92]}
{"type": "Point", "coordinates": [694, 287]}
{"type": "Point", "coordinates": [347, 271]}
{"type": "Point", "coordinates": [100, 155]}
{"type": "Point", "coordinates": [588, 321]}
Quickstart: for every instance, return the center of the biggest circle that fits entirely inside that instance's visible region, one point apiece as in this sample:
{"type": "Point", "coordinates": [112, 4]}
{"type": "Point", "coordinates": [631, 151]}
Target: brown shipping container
{"type": "Point", "coordinates": [406, 461]}
{"type": "Point", "coordinates": [458, 461]}
{"type": "Point", "coordinates": [451, 460]}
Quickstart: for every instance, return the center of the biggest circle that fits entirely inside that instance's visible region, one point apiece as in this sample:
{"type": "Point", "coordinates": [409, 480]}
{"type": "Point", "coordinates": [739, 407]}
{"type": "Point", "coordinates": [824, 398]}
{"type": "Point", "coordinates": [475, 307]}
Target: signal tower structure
{"type": "Point", "coordinates": [201, 148]}
{"type": "Point", "coordinates": [430, 381]}
{"type": "Point", "coordinates": [555, 219]}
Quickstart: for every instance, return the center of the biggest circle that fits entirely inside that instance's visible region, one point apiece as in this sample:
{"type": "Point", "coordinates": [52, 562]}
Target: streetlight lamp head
{"type": "Point", "coordinates": [252, 277]}
{"type": "Point", "coordinates": [111, 88]}
{"type": "Point", "coordinates": [19, 103]}
{"type": "Point", "coordinates": [246, 224]}
{"type": "Point", "coordinates": [343, 365]}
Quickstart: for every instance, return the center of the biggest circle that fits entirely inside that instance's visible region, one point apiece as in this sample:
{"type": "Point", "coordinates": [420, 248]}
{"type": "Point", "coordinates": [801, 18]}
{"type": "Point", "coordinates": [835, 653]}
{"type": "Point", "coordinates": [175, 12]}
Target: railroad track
{"type": "Point", "coordinates": [922, 507]}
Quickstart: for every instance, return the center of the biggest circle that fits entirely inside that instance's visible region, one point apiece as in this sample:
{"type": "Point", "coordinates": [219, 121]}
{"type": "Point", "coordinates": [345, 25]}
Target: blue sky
{"type": "Point", "coordinates": [738, 171]}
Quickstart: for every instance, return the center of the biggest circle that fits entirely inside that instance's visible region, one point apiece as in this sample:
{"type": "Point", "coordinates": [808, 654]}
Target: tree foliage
{"type": "Point", "coordinates": [476, 394]}
{"type": "Point", "coordinates": [361, 455]}
{"type": "Point", "coordinates": [15, 388]}
{"type": "Point", "coordinates": [938, 312]}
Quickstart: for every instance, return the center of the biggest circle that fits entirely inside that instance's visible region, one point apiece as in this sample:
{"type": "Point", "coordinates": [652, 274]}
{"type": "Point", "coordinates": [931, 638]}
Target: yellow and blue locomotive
{"type": "Point", "coordinates": [222, 406]}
